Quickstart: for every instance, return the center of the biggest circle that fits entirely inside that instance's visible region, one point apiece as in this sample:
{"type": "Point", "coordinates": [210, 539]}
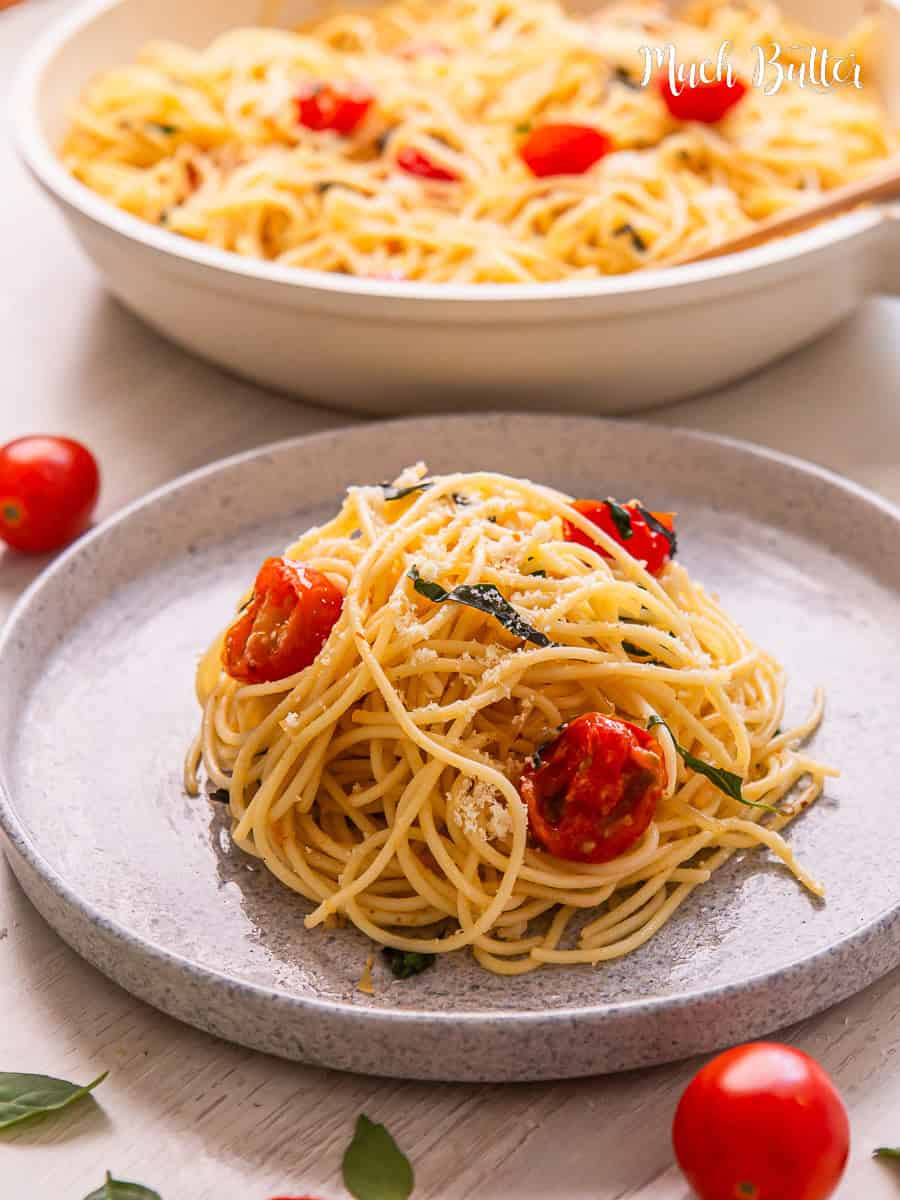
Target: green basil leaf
{"type": "Point", "coordinates": [397, 493]}
{"type": "Point", "coordinates": [886, 1152]}
{"type": "Point", "coordinates": [623, 76]}
{"type": "Point", "coordinates": [406, 963]}
{"type": "Point", "coordinates": [524, 127]}
{"type": "Point", "coordinates": [484, 597]}
{"type": "Point", "coordinates": [120, 1189]}
{"type": "Point", "coordinates": [25, 1096]}
{"type": "Point", "coordinates": [636, 240]}
{"type": "Point", "coordinates": [636, 651]}
{"type": "Point", "coordinates": [373, 1167]}
{"type": "Point", "coordinates": [726, 781]}
{"type": "Point", "coordinates": [167, 129]}
{"type": "Point", "coordinates": [658, 527]}
{"type": "Point", "coordinates": [621, 519]}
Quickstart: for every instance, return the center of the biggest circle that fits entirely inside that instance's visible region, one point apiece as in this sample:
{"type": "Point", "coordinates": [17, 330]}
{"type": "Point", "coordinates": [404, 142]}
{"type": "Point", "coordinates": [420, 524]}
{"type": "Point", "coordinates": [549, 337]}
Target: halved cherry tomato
{"type": "Point", "coordinates": [762, 1122]}
{"type": "Point", "coordinates": [564, 149]}
{"type": "Point", "coordinates": [328, 106]}
{"type": "Point", "coordinates": [706, 102]}
{"type": "Point", "coordinates": [592, 792]}
{"type": "Point", "coordinates": [414, 162]}
{"type": "Point", "coordinates": [651, 538]}
{"type": "Point", "coordinates": [48, 491]}
{"type": "Point", "coordinates": [285, 625]}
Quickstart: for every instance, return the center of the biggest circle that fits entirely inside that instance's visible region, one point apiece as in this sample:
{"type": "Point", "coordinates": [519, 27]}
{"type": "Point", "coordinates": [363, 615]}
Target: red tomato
{"type": "Point", "coordinates": [652, 541]}
{"type": "Point", "coordinates": [706, 102]}
{"type": "Point", "coordinates": [564, 149]}
{"type": "Point", "coordinates": [762, 1122]}
{"type": "Point", "coordinates": [327, 106]}
{"type": "Point", "coordinates": [595, 788]}
{"type": "Point", "coordinates": [48, 491]}
{"type": "Point", "coordinates": [414, 162]}
{"type": "Point", "coordinates": [285, 625]}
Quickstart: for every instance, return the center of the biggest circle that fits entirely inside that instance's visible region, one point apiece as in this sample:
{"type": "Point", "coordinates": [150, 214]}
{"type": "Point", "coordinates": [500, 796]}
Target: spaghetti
{"type": "Point", "coordinates": [475, 615]}
{"type": "Point", "coordinates": [485, 141]}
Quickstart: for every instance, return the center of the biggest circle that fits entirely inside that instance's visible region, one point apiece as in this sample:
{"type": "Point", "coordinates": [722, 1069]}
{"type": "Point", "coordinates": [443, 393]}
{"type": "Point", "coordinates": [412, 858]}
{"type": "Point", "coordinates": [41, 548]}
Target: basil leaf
{"type": "Point", "coordinates": [726, 781]}
{"type": "Point", "coordinates": [658, 527]}
{"type": "Point", "coordinates": [406, 963]}
{"type": "Point", "coordinates": [394, 493]}
{"type": "Point", "coordinates": [631, 648]}
{"type": "Point", "coordinates": [636, 240]}
{"type": "Point", "coordinates": [485, 598]}
{"type": "Point", "coordinates": [167, 129]}
{"type": "Point", "coordinates": [24, 1096]}
{"type": "Point", "coordinates": [524, 127]}
{"type": "Point", "coordinates": [373, 1167]}
{"type": "Point", "coordinates": [621, 519]}
{"type": "Point", "coordinates": [623, 76]}
{"type": "Point", "coordinates": [120, 1189]}
{"type": "Point", "coordinates": [886, 1152]}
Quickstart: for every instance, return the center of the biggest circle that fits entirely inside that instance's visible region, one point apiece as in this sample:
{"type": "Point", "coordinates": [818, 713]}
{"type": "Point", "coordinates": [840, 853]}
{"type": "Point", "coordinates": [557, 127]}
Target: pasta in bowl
{"type": "Point", "coordinates": [357, 327]}
{"type": "Point", "coordinates": [475, 141]}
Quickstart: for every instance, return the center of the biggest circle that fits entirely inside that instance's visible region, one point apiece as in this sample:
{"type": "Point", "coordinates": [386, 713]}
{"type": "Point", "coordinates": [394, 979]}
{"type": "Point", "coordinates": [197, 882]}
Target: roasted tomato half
{"type": "Point", "coordinates": [283, 628]}
{"type": "Point", "coordinates": [649, 536]}
{"type": "Point", "coordinates": [704, 102]}
{"type": "Point", "coordinates": [329, 106]}
{"type": "Point", "coordinates": [593, 790]}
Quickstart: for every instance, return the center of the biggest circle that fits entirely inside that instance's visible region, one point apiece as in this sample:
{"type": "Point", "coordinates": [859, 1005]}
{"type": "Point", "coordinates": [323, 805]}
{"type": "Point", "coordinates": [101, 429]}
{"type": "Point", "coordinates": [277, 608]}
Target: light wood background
{"type": "Point", "coordinates": [201, 1120]}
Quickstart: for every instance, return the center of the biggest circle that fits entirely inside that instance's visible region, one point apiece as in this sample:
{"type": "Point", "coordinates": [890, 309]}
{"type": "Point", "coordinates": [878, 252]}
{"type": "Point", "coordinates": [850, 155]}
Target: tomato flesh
{"type": "Point", "coordinates": [705, 102]}
{"type": "Point", "coordinates": [414, 162]}
{"type": "Point", "coordinates": [326, 106]}
{"type": "Point", "coordinates": [762, 1122]}
{"type": "Point", "coordinates": [652, 546]}
{"type": "Point", "coordinates": [48, 491]}
{"type": "Point", "coordinates": [285, 625]}
{"type": "Point", "coordinates": [594, 789]}
{"type": "Point", "coordinates": [564, 149]}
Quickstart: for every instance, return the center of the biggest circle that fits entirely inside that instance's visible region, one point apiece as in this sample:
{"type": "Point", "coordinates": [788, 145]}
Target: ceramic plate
{"type": "Point", "coordinates": [97, 707]}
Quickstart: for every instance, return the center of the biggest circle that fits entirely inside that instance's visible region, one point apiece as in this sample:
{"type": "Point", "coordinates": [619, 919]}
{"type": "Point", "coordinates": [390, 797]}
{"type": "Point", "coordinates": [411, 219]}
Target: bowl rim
{"type": "Point", "coordinates": [40, 158]}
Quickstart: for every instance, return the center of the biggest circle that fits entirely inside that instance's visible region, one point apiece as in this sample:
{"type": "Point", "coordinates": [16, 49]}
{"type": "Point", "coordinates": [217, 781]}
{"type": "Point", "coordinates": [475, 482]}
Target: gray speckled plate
{"type": "Point", "coordinates": [96, 708]}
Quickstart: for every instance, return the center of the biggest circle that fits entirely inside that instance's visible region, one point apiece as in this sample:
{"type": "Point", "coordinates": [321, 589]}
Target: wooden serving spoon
{"type": "Point", "coordinates": [885, 185]}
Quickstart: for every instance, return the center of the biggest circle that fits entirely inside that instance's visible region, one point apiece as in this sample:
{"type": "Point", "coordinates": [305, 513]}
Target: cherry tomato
{"type": "Point", "coordinates": [285, 625]}
{"type": "Point", "coordinates": [592, 792]}
{"type": "Point", "coordinates": [651, 538]}
{"type": "Point", "coordinates": [327, 106]}
{"type": "Point", "coordinates": [564, 149]}
{"type": "Point", "coordinates": [762, 1122]}
{"type": "Point", "coordinates": [706, 102]}
{"type": "Point", "coordinates": [48, 491]}
{"type": "Point", "coordinates": [414, 162]}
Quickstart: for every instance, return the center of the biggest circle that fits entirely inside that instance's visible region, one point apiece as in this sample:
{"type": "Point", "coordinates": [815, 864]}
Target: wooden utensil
{"type": "Point", "coordinates": [885, 185]}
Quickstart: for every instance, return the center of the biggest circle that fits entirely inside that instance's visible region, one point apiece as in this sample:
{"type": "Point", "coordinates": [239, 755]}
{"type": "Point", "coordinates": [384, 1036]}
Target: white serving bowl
{"type": "Point", "coordinates": [608, 345]}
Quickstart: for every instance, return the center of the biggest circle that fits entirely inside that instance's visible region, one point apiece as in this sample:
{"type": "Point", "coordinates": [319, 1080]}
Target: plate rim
{"type": "Point", "coordinates": [352, 1012]}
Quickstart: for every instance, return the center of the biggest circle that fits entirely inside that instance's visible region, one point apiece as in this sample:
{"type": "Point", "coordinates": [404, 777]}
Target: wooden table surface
{"type": "Point", "coordinates": [201, 1120]}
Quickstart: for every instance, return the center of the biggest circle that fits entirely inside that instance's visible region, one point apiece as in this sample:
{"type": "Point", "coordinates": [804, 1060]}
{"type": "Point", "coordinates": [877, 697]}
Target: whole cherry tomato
{"type": "Point", "coordinates": [290, 615]}
{"type": "Point", "coordinates": [327, 106]}
{"type": "Point", "coordinates": [564, 149]}
{"type": "Point", "coordinates": [48, 492]}
{"type": "Point", "coordinates": [645, 535]}
{"type": "Point", "coordinates": [414, 162]}
{"type": "Point", "coordinates": [593, 790]}
{"type": "Point", "coordinates": [762, 1122]}
{"type": "Point", "coordinates": [706, 102]}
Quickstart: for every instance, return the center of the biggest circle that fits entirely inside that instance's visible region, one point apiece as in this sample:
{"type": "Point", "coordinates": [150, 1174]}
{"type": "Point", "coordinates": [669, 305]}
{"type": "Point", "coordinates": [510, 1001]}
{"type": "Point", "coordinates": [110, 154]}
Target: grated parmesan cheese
{"type": "Point", "coordinates": [482, 811]}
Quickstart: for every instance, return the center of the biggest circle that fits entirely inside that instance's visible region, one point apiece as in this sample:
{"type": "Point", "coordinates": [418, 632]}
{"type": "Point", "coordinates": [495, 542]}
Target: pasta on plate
{"type": "Point", "coordinates": [470, 711]}
{"type": "Point", "coordinates": [485, 141]}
